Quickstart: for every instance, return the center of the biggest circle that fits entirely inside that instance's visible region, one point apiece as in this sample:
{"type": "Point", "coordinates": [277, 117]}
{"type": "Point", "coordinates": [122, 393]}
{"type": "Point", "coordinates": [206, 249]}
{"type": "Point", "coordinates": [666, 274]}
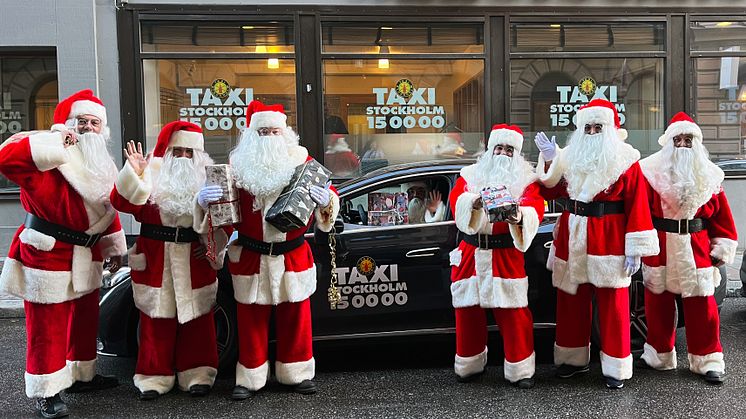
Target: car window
{"type": "Point", "coordinates": [414, 201]}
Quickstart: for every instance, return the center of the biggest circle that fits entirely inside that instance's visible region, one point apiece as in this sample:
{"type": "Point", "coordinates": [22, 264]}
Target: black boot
{"type": "Point", "coordinates": [613, 383]}
{"type": "Point", "coordinates": [567, 371]}
{"type": "Point", "coordinates": [241, 393]}
{"type": "Point", "coordinates": [99, 382]}
{"type": "Point", "coordinates": [51, 407]}
{"type": "Point", "coordinates": [714, 377]}
{"type": "Point", "coordinates": [199, 390]}
{"type": "Point", "coordinates": [305, 387]}
{"type": "Point", "coordinates": [524, 383]}
{"type": "Point", "coordinates": [469, 378]}
{"type": "Point", "coordinates": [148, 395]}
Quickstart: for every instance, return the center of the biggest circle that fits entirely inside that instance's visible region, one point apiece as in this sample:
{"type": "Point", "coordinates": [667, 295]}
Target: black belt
{"type": "Point", "coordinates": [169, 234]}
{"type": "Point", "coordinates": [61, 233]}
{"type": "Point", "coordinates": [270, 248]}
{"type": "Point", "coordinates": [592, 209]}
{"type": "Point", "coordinates": [490, 241]}
{"type": "Point", "coordinates": [679, 226]}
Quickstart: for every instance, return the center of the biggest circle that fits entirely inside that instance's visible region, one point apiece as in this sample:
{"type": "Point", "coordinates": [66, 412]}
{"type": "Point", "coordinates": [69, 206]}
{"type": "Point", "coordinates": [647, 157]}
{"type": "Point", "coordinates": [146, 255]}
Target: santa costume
{"type": "Point", "coordinates": [174, 290]}
{"type": "Point", "coordinates": [488, 267]}
{"type": "Point", "coordinates": [605, 221]}
{"type": "Point", "coordinates": [695, 226]}
{"type": "Point", "coordinates": [339, 158]}
{"type": "Point", "coordinates": [270, 268]}
{"type": "Point", "coordinates": [56, 258]}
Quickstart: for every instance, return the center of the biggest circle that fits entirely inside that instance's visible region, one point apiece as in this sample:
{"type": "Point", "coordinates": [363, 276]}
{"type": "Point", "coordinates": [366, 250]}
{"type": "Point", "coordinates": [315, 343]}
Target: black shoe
{"type": "Point", "coordinates": [241, 393]}
{"type": "Point", "coordinates": [524, 383]}
{"type": "Point", "coordinates": [51, 407]}
{"type": "Point", "coordinates": [99, 382]}
{"type": "Point", "coordinates": [469, 378]}
{"type": "Point", "coordinates": [567, 371]}
{"type": "Point", "coordinates": [199, 390]}
{"type": "Point", "coordinates": [305, 387]}
{"type": "Point", "coordinates": [613, 383]}
{"type": "Point", "coordinates": [149, 395]}
{"type": "Point", "coordinates": [714, 377]}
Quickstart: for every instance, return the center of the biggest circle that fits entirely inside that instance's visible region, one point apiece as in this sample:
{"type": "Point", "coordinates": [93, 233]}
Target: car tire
{"type": "Point", "coordinates": [226, 325]}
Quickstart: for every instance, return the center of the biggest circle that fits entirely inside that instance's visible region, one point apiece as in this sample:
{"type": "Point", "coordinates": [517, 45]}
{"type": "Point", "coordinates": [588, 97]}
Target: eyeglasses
{"type": "Point", "coordinates": [503, 149]}
{"type": "Point", "coordinates": [95, 122]}
{"type": "Point", "coordinates": [596, 128]}
{"type": "Point", "coordinates": [265, 131]}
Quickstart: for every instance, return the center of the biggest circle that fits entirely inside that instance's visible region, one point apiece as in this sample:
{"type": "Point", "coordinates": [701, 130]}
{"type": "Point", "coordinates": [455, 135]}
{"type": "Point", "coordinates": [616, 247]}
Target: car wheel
{"type": "Point", "coordinates": [226, 330]}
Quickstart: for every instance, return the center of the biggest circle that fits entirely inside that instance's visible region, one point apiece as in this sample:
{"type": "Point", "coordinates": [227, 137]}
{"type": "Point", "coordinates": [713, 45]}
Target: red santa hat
{"type": "Point", "coordinates": [81, 103]}
{"type": "Point", "coordinates": [260, 115]}
{"type": "Point", "coordinates": [600, 111]}
{"type": "Point", "coordinates": [681, 123]}
{"type": "Point", "coordinates": [337, 143]}
{"type": "Point", "coordinates": [179, 134]}
{"type": "Point", "coordinates": [511, 135]}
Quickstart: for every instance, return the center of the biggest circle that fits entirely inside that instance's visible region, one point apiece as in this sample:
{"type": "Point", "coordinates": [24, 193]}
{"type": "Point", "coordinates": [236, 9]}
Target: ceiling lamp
{"type": "Point", "coordinates": [273, 63]}
{"type": "Point", "coordinates": [383, 63]}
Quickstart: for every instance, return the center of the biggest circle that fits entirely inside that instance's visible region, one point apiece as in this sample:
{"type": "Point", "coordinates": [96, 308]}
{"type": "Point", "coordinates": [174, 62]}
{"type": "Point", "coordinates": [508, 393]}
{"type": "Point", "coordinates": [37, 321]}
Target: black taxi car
{"type": "Point", "coordinates": [394, 279]}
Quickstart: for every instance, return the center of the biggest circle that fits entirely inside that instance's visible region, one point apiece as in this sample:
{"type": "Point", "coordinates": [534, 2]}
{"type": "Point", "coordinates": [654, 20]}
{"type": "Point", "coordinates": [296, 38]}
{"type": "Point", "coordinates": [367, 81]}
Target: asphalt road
{"type": "Point", "coordinates": [395, 381]}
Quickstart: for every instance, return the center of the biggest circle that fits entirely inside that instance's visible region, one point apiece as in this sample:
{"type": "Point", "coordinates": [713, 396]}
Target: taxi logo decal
{"type": "Point", "coordinates": [587, 86]}
{"type": "Point", "coordinates": [404, 88]}
{"type": "Point", "coordinates": [220, 88]}
{"type": "Point", "coordinates": [366, 265]}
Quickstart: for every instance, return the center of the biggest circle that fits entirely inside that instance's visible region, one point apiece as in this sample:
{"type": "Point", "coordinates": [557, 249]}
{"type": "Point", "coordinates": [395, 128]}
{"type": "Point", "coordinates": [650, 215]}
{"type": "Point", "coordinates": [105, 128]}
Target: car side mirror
{"type": "Point", "coordinates": [339, 225]}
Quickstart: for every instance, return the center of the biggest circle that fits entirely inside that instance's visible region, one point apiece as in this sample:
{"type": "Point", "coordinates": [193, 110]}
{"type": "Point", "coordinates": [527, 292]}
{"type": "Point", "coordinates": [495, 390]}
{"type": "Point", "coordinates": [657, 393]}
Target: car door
{"type": "Point", "coordinates": [393, 274]}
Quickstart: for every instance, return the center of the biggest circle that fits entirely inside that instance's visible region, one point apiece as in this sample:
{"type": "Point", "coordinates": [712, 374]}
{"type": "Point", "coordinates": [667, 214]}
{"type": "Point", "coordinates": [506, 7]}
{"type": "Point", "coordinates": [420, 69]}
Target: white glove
{"type": "Point", "coordinates": [631, 265]}
{"type": "Point", "coordinates": [547, 147]}
{"type": "Point", "coordinates": [321, 196]}
{"type": "Point", "coordinates": [209, 194]}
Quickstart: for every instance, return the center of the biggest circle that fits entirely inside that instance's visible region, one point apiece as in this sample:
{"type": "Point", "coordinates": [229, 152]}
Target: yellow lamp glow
{"type": "Point", "coordinates": [273, 63]}
{"type": "Point", "coordinates": [261, 49]}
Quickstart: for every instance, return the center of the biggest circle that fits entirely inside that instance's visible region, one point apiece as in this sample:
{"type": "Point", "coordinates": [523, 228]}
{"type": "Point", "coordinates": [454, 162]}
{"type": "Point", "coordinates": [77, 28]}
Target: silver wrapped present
{"type": "Point", "coordinates": [294, 207]}
{"type": "Point", "coordinates": [226, 210]}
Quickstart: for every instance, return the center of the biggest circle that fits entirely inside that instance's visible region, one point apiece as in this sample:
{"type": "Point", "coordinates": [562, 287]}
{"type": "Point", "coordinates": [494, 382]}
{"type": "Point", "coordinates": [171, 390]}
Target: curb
{"type": "Point", "coordinates": [11, 309]}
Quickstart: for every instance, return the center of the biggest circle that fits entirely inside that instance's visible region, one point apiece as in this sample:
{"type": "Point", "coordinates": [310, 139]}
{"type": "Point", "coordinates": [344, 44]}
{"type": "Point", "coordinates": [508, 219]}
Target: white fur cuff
{"type": "Point", "coordinates": [700, 364]}
{"type": "Point", "coordinates": [524, 235]}
{"type": "Point", "coordinates": [47, 385]}
{"type": "Point", "coordinates": [619, 368]}
{"type": "Point", "coordinates": [160, 383]}
{"type": "Point", "coordinates": [325, 216]}
{"type": "Point", "coordinates": [438, 216]}
{"type": "Point", "coordinates": [576, 357]}
{"type": "Point", "coordinates": [291, 373]}
{"type": "Point", "coordinates": [37, 240]}
{"type": "Point", "coordinates": [469, 220]}
{"type": "Point", "coordinates": [114, 244]}
{"type": "Point", "coordinates": [82, 370]}
{"type": "Point", "coordinates": [194, 376]}
{"type": "Point", "coordinates": [526, 368]}
{"type": "Point", "coordinates": [47, 150]}
{"type": "Point", "coordinates": [135, 189]}
{"type": "Point", "coordinates": [252, 378]}
{"type": "Point", "coordinates": [723, 249]}
{"type": "Point", "coordinates": [641, 243]}
{"type": "Point", "coordinates": [470, 365]}
{"type": "Point", "coordinates": [661, 361]}
{"type": "Point", "coordinates": [551, 177]}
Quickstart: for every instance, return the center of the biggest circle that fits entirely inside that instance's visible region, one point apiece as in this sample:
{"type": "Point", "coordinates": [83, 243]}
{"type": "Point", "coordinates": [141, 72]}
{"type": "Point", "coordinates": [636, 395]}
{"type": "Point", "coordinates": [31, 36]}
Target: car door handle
{"type": "Point", "coordinates": [418, 253]}
{"type": "Point", "coordinates": [548, 244]}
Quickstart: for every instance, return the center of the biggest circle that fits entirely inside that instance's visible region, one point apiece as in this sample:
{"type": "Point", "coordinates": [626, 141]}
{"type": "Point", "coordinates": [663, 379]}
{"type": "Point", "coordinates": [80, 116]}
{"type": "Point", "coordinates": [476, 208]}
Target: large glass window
{"type": "Point", "coordinates": [245, 37]}
{"type": "Point", "coordinates": [591, 36]}
{"type": "Point", "coordinates": [28, 96]}
{"type": "Point", "coordinates": [383, 106]}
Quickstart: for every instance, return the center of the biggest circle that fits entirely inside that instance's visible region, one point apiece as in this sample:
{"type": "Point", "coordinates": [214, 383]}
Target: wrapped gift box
{"type": "Point", "coordinates": [226, 211]}
{"type": "Point", "coordinates": [499, 203]}
{"type": "Point", "coordinates": [294, 207]}
{"type": "Point", "coordinates": [387, 208]}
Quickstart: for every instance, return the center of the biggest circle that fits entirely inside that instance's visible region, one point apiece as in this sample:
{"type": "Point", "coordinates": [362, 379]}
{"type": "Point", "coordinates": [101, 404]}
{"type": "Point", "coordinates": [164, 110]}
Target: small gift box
{"type": "Point", "coordinates": [387, 208]}
{"type": "Point", "coordinates": [226, 210]}
{"type": "Point", "coordinates": [499, 203]}
{"type": "Point", "coordinates": [294, 207]}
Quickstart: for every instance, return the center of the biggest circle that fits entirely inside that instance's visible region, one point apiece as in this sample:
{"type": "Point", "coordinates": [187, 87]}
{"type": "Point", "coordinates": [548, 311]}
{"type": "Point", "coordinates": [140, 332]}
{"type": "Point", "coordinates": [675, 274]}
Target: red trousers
{"type": "Point", "coordinates": [573, 334]}
{"type": "Point", "coordinates": [702, 332]}
{"type": "Point", "coordinates": [516, 326]}
{"type": "Point", "coordinates": [60, 344]}
{"type": "Point", "coordinates": [294, 361]}
{"type": "Point", "coordinates": [166, 347]}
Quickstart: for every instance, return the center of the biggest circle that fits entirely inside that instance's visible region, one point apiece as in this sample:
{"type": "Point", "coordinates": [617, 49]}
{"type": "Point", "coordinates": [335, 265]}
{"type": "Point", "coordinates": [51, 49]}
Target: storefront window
{"type": "Point", "coordinates": [396, 38]}
{"type": "Point", "coordinates": [569, 37]}
{"type": "Point", "coordinates": [245, 37]}
{"type": "Point", "coordinates": [718, 36]}
{"type": "Point", "coordinates": [29, 96]}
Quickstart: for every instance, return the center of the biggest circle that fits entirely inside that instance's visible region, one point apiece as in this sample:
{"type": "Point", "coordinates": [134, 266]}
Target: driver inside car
{"type": "Point", "coordinates": [425, 204]}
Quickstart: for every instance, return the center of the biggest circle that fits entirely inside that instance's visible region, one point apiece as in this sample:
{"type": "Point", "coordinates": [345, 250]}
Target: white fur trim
{"type": "Point", "coordinates": [82, 370]}
{"type": "Point", "coordinates": [252, 378]}
{"type": "Point", "coordinates": [273, 284]}
{"type": "Point", "coordinates": [505, 136]}
{"type": "Point", "coordinates": [577, 357]}
{"type": "Point", "coordinates": [160, 383]}
{"type": "Point", "coordinates": [198, 375]}
{"type": "Point", "coordinates": [325, 216]}
{"type": "Point", "coordinates": [723, 249]}
{"type": "Point", "coordinates": [641, 243]}
{"type": "Point", "coordinates": [135, 189]}
{"type": "Point", "coordinates": [524, 234]}
{"type": "Point", "coordinates": [490, 292]}
{"type": "Point", "coordinates": [59, 127]}
{"type": "Point", "coordinates": [466, 366]}
{"type": "Point", "coordinates": [47, 385]}
{"type": "Point", "coordinates": [136, 261]}
{"type": "Point", "coordinates": [187, 139]}
{"type": "Point", "coordinates": [560, 276]}
{"type": "Point", "coordinates": [37, 240]}
{"type": "Point", "coordinates": [86, 274]}
{"type": "Point", "coordinates": [47, 150]}
{"type": "Point", "coordinates": [622, 133]}
{"type": "Point", "coordinates": [291, 373]}
{"type": "Point", "coordinates": [200, 221]}
{"type": "Point", "coordinates": [661, 361]}
{"type": "Point", "coordinates": [113, 244]}
{"type": "Point", "coordinates": [515, 371]}
{"type": "Point", "coordinates": [700, 364]}
{"type": "Point", "coordinates": [619, 368]}
{"type": "Point", "coordinates": [156, 303]}
{"type": "Point", "coordinates": [455, 257]}
{"type": "Point", "coordinates": [87, 107]}
{"type": "Point", "coordinates": [551, 177]}
{"type": "Point", "coordinates": [680, 127]}
{"type": "Point", "coordinates": [469, 220]}
{"type": "Point", "coordinates": [268, 119]}
{"type": "Point", "coordinates": [438, 216]}
{"type": "Point", "coordinates": [689, 282]}
{"type": "Point", "coordinates": [595, 114]}
{"type": "Point", "coordinates": [46, 287]}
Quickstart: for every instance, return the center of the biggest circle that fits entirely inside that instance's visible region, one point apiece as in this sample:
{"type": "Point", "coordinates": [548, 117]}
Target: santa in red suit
{"type": "Point", "coordinates": [697, 233]}
{"type": "Point", "coordinates": [599, 240]}
{"type": "Point", "coordinates": [56, 258]}
{"type": "Point", "coordinates": [488, 268]}
{"type": "Point", "coordinates": [173, 283]}
{"type": "Point", "coordinates": [339, 158]}
{"type": "Point", "coordinates": [272, 270]}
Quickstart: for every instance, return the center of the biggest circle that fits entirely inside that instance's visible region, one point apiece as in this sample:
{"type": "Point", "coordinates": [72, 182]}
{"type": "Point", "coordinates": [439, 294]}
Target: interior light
{"type": "Point", "coordinates": [386, 28]}
{"type": "Point", "coordinates": [261, 49]}
{"type": "Point", "coordinates": [555, 25]}
{"type": "Point", "coordinates": [247, 27]}
{"type": "Point", "coordinates": [273, 63]}
{"type": "Point", "coordinates": [723, 24]}
{"type": "Point", "coordinates": [383, 63]}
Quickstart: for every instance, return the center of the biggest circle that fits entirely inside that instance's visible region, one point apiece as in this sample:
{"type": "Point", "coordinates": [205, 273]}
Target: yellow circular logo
{"type": "Point", "coordinates": [404, 88]}
{"type": "Point", "coordinates": [587, 86]}
{"type": "Point", "coordinates": [366, 265]}
{"type": "Point", "coordinates": [220, 88]}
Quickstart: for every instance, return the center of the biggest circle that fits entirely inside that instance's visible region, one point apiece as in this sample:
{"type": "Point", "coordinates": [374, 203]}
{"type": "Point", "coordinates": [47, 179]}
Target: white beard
{"type": "Point", "coordinates": [416, 211]}
{"type": "Point", "coordinates": [263, 166]}
{"type": "Point", "coordinates": [495, 170]}
{"type": "Point", "coordinates": [177, 183]}
{"type": "Point", "coordinates": [98, 165]}
{"type": "Point", "coordinates": [594, 162]}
